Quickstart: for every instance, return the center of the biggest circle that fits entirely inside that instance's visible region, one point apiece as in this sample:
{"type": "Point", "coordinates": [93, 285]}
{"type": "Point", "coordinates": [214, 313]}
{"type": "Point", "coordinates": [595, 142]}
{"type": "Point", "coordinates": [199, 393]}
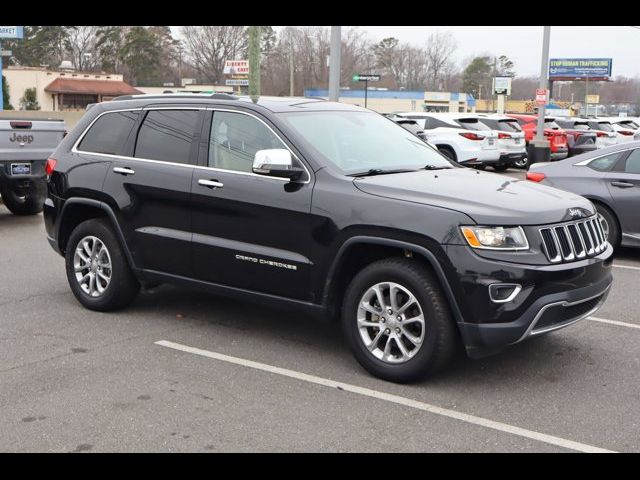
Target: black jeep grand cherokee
{"type": "Point", "coordinates": [325, 206]}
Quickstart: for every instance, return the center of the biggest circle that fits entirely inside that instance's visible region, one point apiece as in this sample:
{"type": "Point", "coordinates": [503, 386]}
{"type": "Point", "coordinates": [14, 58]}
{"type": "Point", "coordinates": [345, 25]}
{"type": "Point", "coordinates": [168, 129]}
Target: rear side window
{"type": "Point", "coordinates": [633, 162]}
{"type": "Point", "coordinates": [606, 163]}
{"type": "Point", "coordinates": [167, 135]}
{"type": "Point", "coordinates": [109, 133]}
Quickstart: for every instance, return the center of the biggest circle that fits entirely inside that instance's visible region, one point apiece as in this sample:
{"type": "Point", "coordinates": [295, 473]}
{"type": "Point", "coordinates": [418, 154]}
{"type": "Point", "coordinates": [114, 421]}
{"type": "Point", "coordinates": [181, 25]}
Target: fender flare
{"type": "Point", "coordinates": [110, 214]}
{"type": "Point", "coordinates": [424, 252]}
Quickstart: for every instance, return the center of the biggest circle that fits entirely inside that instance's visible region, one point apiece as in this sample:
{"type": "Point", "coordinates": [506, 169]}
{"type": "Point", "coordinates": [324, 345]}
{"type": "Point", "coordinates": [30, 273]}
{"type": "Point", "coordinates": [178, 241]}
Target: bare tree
{"type": "Point", "coordinates": [439, 52]}
{"type": "Point", "coordinates": [81, 47]}
{"type": "Point", "coordinates": [209, 46]}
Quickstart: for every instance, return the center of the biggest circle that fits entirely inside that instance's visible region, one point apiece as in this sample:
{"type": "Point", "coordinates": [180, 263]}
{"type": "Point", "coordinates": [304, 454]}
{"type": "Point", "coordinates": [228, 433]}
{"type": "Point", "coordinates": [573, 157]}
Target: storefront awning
{"type": "Point", "coordinates": [108, 88]}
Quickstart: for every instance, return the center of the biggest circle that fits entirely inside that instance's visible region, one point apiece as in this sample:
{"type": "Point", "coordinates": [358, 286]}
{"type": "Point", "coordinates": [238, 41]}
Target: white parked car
{"type": "Point", "coordinates": [624, 127]}
{"type": "Point", "coordinates": [511, 141]}
{"type": "Point", "coordinates": [605, 133]}
{"type": "Point", "coordinates": [459, 136]}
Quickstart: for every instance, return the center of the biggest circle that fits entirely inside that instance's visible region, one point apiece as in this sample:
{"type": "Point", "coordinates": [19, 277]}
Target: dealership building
{"type": "Point", "coordinates": [387, 101]}
{"type": "Point", "coordinates": [64, 89]}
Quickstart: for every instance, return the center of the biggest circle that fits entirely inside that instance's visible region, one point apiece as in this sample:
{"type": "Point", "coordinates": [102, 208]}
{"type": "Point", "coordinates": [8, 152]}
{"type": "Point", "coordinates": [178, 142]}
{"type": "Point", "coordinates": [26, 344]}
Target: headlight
{"type": "Point", "coordinates": [496, 238]}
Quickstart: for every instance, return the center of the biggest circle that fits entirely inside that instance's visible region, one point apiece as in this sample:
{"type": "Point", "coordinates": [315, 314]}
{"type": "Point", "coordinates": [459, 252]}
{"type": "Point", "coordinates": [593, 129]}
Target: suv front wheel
{"type": "Point", "coordinates": [397, 321]}
{"type": "Point", "coordinates": [97, 269]}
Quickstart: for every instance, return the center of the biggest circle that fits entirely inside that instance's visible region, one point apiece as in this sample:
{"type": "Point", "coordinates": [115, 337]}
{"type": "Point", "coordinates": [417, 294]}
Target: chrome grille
{"type": "Point", "coordinates": [574, 240]}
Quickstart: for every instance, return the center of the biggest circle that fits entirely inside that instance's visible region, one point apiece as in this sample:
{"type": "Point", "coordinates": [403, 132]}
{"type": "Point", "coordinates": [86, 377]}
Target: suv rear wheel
{"type": "Point", "coordinates": [97, 269]}
{"type": "Point", "coordinates": [397, 321]}
{"type": "Point", "coordinates": [28, 202]}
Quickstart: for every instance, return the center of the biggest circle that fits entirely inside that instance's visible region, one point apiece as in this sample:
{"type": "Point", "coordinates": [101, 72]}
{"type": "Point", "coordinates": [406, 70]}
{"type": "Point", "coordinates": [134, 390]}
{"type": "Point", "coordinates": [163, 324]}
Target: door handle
{"type": "Point", "coordinates": [210, 183]}
{"type": "Point", "coordinates": [124, 171]}
{"type": "Point", "coordinates": [623, 184]}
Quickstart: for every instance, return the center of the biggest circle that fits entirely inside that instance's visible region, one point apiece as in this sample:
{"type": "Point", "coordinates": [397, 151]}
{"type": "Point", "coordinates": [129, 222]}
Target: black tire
{"type": "Point", "coordinates": [523, 163]}
{"type": "Point", "coordinates": [29, 203]}
{"type": "Point", "coordinates": [500, 168]}
{"type": "Point", "coordinates": [440, 337]}
{"type": "Point", "coordinates": [448, 152]}
{"type": "Point", "coordinates": [612, 225]}
{"type": "Point", "coordinates": [123, 286]}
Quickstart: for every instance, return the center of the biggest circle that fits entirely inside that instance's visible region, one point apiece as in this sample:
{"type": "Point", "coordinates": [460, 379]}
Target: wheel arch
{"type": "Point", "coordinates": [340, 271]}
{"type": "Point", "coordinates": [78, 210]}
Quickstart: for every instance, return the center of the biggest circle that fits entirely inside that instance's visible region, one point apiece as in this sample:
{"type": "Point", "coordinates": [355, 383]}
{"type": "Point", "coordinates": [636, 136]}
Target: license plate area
{"type": "Point", "coordinates": [20, 169]}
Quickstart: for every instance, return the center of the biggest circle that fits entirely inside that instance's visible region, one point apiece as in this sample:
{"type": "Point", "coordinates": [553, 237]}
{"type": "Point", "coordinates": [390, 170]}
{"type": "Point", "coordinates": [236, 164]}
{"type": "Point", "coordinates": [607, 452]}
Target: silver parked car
{"type": "Point", "coordinates": [610, 178]}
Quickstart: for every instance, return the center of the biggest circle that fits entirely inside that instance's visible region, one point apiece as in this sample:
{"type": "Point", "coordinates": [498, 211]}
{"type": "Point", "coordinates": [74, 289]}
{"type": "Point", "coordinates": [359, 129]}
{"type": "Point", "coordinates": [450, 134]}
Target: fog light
{"type": "Point", "coordinates": [503, 292]}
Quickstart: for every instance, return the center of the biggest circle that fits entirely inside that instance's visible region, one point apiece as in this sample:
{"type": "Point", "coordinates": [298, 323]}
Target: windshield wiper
{"type": "Point", "coordinates": [436, 167]}
{"type": "Point", "coordinates": [379, 171]}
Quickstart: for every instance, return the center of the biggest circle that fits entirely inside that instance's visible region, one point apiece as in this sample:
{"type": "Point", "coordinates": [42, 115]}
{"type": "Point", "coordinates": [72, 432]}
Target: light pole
{"type": "Point", "coordinates": [539, 150]}
{"type": "Point", "coordinates": [334, 64]}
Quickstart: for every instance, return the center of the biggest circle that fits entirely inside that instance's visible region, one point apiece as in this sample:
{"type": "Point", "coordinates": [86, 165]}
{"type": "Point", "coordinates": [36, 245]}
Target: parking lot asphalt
{"type": "Point", "coordinates": [229, 376]}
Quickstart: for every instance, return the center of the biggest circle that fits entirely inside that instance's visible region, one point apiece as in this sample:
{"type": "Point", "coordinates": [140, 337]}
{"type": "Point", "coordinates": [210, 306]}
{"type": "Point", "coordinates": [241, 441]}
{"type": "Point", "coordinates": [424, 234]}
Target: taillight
{"type": "Point", "coordinates": [535, 176]}
{"type": "Point", "coordinates": [471, 136]}
{"type": "Point", "coordinates": [50, 166]}
{"type": "Point", "coordinates": [625, 132]}
{"type": "Point", "coordinates": [503, 135]}
{"type": "Point", "coordinates": [547, 133]}
{"type": "Point", "coordinates": [602, 134]}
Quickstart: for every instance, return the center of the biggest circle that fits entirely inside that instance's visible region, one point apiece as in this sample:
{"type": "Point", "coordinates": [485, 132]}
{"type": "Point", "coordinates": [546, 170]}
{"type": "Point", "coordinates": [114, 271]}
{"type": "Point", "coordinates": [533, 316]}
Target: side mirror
{"type": "Point", "coordinates": [276, 162]}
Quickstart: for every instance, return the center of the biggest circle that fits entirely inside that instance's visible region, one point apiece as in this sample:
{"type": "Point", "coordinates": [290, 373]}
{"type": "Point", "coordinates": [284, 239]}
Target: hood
{"type": "Point", "coordinates": [487, 198]}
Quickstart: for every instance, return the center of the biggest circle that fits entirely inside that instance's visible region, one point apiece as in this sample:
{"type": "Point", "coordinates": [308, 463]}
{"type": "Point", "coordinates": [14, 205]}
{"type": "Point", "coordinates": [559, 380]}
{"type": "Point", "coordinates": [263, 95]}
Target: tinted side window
{"type": "Point", "coordinates": [235, 139]}
{"type": "Point", "coordinates": [109, 133]}
{"type": "Point", "coordinates": [606, 163]}
{"type": "Point", "coordinates": [633, 162]}
{"type": "Point", "coordinates": [167, 135]}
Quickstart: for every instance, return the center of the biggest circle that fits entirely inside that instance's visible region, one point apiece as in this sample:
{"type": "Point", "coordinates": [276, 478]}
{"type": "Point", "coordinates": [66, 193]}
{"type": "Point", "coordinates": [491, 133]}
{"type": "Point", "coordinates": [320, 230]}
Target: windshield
{"type": "Point", "coordinates": [472, 124]}
{"type": "Point", "coordinates": [357, 142]}
{"type": "Point", "coordinates": [551, 123]}
{"type": "Point", "coordinates": [605, 126]}
{"type": "Point", "coordinates": [508, 126]}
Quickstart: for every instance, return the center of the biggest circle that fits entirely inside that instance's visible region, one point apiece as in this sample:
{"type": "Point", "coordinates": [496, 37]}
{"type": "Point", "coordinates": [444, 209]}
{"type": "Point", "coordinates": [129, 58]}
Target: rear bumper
{"type": "Point", "coordinates": [22, 181]}
{"type": "Point", "coordinates": [560, 154]}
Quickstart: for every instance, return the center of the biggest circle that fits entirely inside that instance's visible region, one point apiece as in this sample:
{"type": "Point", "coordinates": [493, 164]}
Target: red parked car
{"type": "Point", "coordinates": [556, 135]}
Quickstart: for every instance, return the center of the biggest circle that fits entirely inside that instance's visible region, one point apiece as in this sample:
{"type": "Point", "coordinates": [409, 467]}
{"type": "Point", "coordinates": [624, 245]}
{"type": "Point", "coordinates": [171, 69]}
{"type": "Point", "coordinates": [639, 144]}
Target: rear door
{"type": "Point", "coordinates": [149, 188]}
{"type": "Point", "coordinates": [624, 186]}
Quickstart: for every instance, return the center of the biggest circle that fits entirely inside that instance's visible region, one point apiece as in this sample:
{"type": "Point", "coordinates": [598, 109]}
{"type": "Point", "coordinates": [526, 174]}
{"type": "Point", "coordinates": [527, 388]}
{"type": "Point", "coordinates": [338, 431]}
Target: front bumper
{"type": "Point", "coordinates": [551, 297]}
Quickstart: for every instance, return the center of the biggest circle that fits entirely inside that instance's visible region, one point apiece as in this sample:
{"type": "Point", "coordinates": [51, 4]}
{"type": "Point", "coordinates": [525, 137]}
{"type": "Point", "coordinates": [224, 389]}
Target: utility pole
{"type": "Point", "coordinates": [291, 72]}
{"type": "Point", "coordinates": [334, 64]}
{"type": "Point", "coordinates": [540, 150]}
{"type": "Point", "coordinates": [586, 98]}
{"type": "Point", "coordinates": [254, 62]}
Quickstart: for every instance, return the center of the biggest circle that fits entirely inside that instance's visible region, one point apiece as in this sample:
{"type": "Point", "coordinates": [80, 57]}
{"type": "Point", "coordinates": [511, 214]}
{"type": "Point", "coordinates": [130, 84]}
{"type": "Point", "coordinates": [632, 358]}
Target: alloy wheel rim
{"type": "Point", "coordinates": [92, 266]}
{"type": "Point", "coordinates": [390, 322]}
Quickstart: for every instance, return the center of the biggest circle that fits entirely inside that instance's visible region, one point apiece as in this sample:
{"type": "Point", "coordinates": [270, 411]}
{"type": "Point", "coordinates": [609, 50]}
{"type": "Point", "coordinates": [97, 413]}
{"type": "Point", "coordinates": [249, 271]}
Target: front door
{"type": "Point", "coordinates": [250, 231]}
{"type": "Point", "coordinates": [624, 186]}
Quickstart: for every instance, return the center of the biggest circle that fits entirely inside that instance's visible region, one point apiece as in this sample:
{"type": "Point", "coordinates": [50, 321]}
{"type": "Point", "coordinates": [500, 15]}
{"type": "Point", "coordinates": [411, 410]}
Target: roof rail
{"type": "Point", "coordinates": [215, 96]}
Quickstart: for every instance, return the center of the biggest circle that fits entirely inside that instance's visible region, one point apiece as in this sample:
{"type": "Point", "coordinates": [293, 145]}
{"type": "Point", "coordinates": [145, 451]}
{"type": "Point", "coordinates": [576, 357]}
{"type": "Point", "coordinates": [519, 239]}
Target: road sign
{"type": "Point", "coordinates": [237, 82]}
{"type": "Point", "coordinates": [366, 78]}
{"type": "Point", "coordinates": [502, 85]}
{"type": "Point", "coordinates": [542, 96]}
{"type": "Point", "coordinates": [11, 32]}
{"type": "Point", "coordinates": [5, 53]}
{"type": "Point", "coordinates": [592, 99]}
{"type": "Point", "coordinates": [234, 67]}
{"type": "Point", "coordinates": [580, 68]}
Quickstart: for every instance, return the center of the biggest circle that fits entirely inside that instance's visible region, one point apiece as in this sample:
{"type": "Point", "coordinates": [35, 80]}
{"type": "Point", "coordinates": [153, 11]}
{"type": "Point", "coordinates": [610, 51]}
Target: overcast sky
{"type": "Point", "coordinates": [523, 45]}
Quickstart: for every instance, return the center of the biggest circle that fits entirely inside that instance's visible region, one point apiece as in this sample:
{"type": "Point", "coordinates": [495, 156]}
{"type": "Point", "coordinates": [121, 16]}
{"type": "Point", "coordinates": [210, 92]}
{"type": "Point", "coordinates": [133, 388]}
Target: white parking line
{"type": "Point", "coordinates": [483, 422]}
{"type": "Point", "coordinates": [615, 322]}
{"type": "Point", "coordinates": [626, 266]}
